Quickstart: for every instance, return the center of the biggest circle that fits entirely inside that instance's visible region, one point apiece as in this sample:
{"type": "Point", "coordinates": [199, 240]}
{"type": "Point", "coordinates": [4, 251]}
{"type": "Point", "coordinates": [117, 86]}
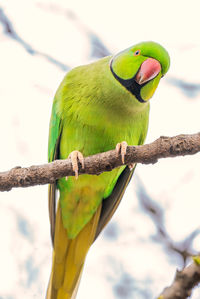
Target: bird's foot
{"type": "Point", "coordinates": [121, 149]}
{"type": "Point", "coordinates": [76, 157]}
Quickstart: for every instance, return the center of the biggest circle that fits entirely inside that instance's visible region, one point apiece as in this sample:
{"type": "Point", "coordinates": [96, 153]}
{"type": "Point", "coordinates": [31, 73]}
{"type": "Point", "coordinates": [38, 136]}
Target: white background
{"type": "Point", "coordinates": [125, 261]}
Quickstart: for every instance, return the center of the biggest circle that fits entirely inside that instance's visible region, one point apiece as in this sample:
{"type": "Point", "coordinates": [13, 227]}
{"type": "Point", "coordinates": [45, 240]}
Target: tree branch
{"type": "Point", "coordinates": [163, 147]}
{"type": "Point", "coordinates": [184, 282]}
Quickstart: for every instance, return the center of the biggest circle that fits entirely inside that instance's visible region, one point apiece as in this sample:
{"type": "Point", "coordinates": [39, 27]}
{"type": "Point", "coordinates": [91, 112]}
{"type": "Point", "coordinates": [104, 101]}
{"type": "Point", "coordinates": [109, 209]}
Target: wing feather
{"type": "Point", "coordinates": [110, 204]}
{"type": "Point", "coordinates": [53, 153]}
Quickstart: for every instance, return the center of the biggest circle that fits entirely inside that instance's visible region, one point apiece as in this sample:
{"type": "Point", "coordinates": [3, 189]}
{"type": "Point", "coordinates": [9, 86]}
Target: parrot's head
{"type": "Point", "coordinates": [140, 68]}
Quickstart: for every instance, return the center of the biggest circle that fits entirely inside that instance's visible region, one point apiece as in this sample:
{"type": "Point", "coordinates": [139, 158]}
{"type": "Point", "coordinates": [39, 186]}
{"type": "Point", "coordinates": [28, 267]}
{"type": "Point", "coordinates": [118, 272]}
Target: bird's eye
{"type": "Point", "coordinates": [136, 53]}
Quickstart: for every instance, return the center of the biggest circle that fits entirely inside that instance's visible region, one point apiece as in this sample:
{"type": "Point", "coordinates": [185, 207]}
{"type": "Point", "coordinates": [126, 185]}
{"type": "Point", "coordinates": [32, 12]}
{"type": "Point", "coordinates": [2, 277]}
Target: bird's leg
{"type": "Point", "coordinates": [121, 149]}
{"type": "Point", "coordinates": [76, 157]}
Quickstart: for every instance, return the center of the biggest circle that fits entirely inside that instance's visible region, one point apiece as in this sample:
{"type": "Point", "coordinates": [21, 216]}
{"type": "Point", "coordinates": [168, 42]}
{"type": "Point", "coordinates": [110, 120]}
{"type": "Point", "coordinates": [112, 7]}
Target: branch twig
{"type": "Point", "coordinates": [183, 248]}
{"type": "Point", "coordinates": [183, 283]}
{"type": "Point", "coordinates": [10, 31]}
{"type": "Point", "coordinates": [163, 147]}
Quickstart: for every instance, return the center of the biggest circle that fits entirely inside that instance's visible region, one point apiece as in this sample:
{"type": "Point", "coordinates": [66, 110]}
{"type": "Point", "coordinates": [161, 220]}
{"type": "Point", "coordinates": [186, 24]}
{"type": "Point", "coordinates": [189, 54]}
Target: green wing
{"type": "Point", "coordinates": [55, 130]}
{"type": "Point", "coordinates": [110, 204]}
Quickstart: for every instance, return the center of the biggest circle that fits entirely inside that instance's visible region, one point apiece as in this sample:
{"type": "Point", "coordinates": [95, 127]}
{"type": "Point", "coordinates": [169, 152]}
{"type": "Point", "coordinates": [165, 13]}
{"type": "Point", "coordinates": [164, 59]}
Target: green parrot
{"type": "Point", "coordinates": [97, 107]}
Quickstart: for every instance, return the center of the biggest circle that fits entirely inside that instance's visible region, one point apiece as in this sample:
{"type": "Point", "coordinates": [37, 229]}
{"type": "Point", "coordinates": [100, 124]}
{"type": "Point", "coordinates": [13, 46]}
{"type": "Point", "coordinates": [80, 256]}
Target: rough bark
{"type": "Point", "coordinates": [183, 283]}
{"type": "Point", "coordinates": [163, 147]}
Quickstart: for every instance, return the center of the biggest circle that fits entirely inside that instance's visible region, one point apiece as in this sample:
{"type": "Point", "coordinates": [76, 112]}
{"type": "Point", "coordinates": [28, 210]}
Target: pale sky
{"type": "Point", "coordinates": [28, 84]}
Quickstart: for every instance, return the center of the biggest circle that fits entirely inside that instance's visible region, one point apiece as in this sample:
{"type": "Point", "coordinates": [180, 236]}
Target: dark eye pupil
{"type": "Point", "coordinates": [137, 52]}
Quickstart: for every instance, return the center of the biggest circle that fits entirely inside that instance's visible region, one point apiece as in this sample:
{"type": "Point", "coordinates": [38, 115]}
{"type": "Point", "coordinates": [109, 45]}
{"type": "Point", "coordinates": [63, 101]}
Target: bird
{"type": "Point", "coordinates": [100, 106]}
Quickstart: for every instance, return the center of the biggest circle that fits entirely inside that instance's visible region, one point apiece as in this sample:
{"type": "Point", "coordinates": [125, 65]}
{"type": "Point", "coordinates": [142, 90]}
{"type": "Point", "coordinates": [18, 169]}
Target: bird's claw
{"type": "Point", "coordinates": [121, 149]}
{"type": "Point", "coordinates": [131, 166]}
{"type": "Point", "coordinates": [76, 157]}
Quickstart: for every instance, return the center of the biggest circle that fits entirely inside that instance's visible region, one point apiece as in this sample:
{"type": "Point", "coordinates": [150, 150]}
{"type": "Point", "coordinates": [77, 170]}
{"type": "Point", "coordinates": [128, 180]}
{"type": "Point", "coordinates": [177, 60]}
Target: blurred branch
{"type": "Point", "coordinates": [97, 47]}
{"type": "Point", "coordinates": [183, 283]}
{"type": "Point", "coordinates": [191, 90]}
{"type": "Point", "coordinates": [182, 248]}
{"type": "Point", "coordinates": [10, 31]}
{"type": "Point", "coordinates": [163, 147]}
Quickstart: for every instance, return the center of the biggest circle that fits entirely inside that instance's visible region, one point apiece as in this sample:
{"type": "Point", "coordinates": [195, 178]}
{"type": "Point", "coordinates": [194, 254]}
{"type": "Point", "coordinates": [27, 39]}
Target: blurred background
{"type": "Point", "coordinates": [157, 226]}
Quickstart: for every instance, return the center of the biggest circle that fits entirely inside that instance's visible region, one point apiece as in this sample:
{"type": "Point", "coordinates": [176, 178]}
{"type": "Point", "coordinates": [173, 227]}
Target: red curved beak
{"type": "Point", "coordinates": [149, 69]}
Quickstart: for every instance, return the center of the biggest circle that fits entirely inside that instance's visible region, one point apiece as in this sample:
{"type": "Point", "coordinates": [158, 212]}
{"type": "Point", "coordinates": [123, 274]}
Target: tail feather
{"type": "Point", "coordinates": [68, 258]}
